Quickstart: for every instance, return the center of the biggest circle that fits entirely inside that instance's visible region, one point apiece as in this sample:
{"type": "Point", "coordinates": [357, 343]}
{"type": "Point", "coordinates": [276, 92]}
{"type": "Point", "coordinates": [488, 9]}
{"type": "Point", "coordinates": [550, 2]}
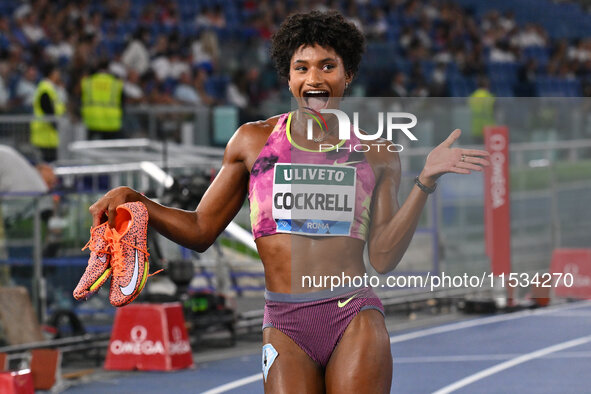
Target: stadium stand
{"type": "Point", "coordinates": [440, 47]}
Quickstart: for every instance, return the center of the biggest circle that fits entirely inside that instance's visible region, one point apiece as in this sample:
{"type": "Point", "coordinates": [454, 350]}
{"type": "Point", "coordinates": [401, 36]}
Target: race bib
{"type": "Point", "coordinates": [313, 199]}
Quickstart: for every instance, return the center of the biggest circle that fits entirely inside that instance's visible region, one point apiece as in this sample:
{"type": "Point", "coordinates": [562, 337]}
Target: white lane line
{"type": "Point", "coordinates": [511, 363]}
{"type": "Point", "coordinates": [483, 321]}
{"type": "Point", "coordinates": [570, 355]}
{"type": "Point", "coordinates": [418, 334]}
{"type": "Point", "coordinates": [582, 314]}
{"type": "Point", "coordinates": [481, 357]}
{"type": "Point", "coordinates": [235, 384]}
{"type": "Point", "coordinates": [453, 358]}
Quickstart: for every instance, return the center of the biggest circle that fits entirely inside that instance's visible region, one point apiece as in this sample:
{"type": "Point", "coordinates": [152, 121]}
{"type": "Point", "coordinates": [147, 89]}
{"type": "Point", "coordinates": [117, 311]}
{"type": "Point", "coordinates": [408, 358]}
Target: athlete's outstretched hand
{"type": "Point", "coordinates": [107, 205]}
{"type": "Point", "coordinates": [444, 159]}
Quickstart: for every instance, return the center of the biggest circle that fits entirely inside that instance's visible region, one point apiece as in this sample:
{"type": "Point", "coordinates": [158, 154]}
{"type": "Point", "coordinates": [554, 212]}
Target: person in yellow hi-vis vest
{"type": "Point", "coordinates": [481, 103]}
{"type": "Point", "coordinates": [47, 102]}
{"type": "Point", "coordinates": [102, 104]}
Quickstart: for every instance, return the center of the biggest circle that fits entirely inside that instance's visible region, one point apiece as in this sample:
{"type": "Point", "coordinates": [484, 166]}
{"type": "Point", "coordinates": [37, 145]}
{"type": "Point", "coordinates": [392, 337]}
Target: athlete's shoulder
{"type": "Point", "coordinates": [380, 151]}
{"type": "Point", "coordinates": [384, 150]}
{"type": "Point", "coordinates": [383, 156]}
{"type": "Point", "coordinates": [250, 137]}
{"type": "Point", "coordinates": [257, 128]}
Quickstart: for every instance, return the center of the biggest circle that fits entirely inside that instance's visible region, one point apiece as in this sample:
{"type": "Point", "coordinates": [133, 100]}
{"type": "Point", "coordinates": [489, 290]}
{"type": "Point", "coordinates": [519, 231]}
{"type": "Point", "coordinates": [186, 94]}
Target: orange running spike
{"type": "Point", "coordinates": [98, 269]}
{"type": "Point", "coordinates": [129, 256]}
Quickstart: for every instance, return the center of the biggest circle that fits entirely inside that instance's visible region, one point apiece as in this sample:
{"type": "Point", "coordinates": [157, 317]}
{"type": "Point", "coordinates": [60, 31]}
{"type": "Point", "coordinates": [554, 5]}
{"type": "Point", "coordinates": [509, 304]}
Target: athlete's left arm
{"type": "Point", "coordinates": [392, 226]}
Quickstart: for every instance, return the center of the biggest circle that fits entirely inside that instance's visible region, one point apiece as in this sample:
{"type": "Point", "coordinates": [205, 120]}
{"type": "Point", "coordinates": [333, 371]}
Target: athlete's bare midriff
{"type": "Point", "coordinates": [287, 258]}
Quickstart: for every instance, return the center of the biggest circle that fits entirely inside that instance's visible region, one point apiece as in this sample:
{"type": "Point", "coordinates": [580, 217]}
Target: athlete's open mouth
{"type": "Point", "coordinates": [316, 99]}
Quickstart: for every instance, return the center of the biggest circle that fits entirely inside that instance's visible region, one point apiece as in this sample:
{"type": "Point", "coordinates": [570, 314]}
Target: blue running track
{"type": "Point", "coordinates": [542, 351]}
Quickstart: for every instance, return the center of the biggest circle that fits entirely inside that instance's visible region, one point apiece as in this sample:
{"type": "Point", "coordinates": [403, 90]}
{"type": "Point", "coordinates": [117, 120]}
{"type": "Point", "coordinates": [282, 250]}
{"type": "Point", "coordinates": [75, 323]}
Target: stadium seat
{"type": "Point", "coordinates": [427, 67]}
{"type": "Point", "coordinates": [216, 86]}
{"type": "Point", "coordinates": [558, 87]}
{"type": "Point", "coordinates": [501, 88]}
{"type": "Point", "coordinates": [539, 54]}
{"type": "Point", "coordinates": [460, 86]}
{"type": "Point", "coordinates": [502, 71]}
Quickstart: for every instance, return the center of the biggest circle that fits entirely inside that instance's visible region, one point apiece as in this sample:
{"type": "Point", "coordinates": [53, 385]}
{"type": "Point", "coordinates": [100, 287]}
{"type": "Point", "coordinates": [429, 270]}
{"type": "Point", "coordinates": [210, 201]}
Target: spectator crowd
{"type": "Point", "coordinates": [215, 52]}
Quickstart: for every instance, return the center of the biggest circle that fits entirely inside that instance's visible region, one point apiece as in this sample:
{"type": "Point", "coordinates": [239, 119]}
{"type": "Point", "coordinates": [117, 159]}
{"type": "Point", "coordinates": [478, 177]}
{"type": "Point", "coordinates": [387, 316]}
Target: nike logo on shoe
{"type": "Point", "coordinates": [341, 304]}
{"type": "Point", "coordinates": [129, 289]}
{"type": "Point", "coordinates": [103, 259]}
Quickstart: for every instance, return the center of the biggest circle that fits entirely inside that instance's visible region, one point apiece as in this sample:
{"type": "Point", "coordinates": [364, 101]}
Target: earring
{"type": "Point", "coordinates": [289, 88]}
{"type": "Point", "coordinates": [346, 85]}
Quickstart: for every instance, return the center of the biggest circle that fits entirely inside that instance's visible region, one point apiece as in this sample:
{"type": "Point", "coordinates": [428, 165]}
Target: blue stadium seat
{"type": "Point", "coordinates": [501, 88]}
{"type": "Point", "coordinates": [6, 9]}
{"type": "Point", "coordinates": [540, 54]}
{"type": "Point", "coordinates": [393, 33]}
{"type": "Point", "coordinates": [384, 54]}
{"type": "Point", "coordinates": [573, 88]}
{"type": "Point", "coordinates": [460, 86]}
{"type": "Point", "coordinates": [452, 71]}
{"type": "Point", "coordinates": [427, 67]}
{"type": "Point", "coordinates": [187, 29]}
{"type": "Point", "coordinates": [558, 87]}
{"type": "Point", "coordinates": [216, 86]}
{"type": "Point", "coordinates": [502, 71]}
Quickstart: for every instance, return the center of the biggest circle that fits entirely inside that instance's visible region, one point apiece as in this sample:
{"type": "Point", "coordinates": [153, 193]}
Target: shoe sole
{"type": "Point", "coordinates": [92, 287]}
{"type": "Point", "coordinates": [100, 281]}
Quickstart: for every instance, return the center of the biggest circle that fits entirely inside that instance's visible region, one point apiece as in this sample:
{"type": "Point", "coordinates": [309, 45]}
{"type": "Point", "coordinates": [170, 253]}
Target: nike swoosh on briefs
{"type": "Point", "coordinates": [346, 163]}
{"type": "Point", "coordinates": [129, 289]}
{"type": "Point", "coordinates": [341, 304]}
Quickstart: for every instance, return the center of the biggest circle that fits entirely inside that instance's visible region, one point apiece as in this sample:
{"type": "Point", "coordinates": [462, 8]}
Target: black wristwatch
{"type": "Point", "coordinates": [425, 188]}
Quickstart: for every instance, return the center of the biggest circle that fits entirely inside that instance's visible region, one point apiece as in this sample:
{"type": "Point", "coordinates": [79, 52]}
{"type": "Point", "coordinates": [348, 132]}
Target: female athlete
{"type": "Point", "coordinates": [314, 340]}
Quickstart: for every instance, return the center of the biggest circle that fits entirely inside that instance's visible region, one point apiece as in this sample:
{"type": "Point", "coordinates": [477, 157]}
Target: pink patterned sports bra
{"type": "Point", "coordinates": [302, 192]}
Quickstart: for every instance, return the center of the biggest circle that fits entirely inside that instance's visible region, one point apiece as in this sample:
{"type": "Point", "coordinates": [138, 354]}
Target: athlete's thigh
{"type": "Point", "coordinates": [362, 361]}
{"type": "Point", "coordinates": [292, 371]}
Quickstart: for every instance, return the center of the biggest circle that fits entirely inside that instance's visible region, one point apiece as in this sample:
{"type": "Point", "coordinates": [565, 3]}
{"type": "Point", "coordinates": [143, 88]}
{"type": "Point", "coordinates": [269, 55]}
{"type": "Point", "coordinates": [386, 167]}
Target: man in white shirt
{"type": "Point", "coordinates": [25, 89]}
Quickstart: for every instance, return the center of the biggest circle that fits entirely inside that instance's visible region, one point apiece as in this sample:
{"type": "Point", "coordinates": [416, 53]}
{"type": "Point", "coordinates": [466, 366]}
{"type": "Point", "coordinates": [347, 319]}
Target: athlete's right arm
{"type": "Point", "coordinates": [193, 229]}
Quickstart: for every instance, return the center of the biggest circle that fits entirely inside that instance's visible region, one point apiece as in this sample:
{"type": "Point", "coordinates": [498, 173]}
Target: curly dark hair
{"type": "Point", "coordinates": [327, 29]}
